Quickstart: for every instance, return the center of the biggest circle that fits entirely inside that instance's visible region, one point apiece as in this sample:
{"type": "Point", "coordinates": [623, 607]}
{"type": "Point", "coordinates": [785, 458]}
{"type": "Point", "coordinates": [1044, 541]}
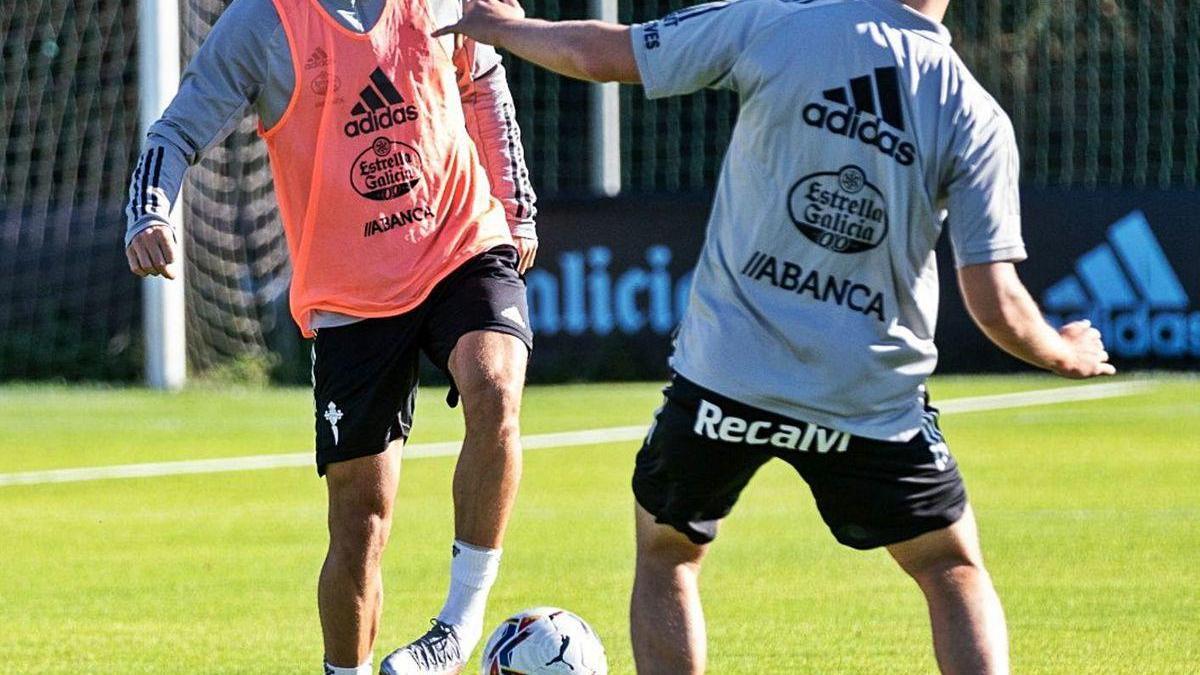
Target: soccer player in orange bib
{"type": "Point", "coordinates": [409, 219]}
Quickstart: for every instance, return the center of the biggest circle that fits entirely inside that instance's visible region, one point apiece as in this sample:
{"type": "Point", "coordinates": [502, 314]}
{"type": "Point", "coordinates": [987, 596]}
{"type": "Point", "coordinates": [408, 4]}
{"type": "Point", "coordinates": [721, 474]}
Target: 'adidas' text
{"type": "Point", "coordinates": [380, 107]}
{"type": "Point", "coordinates": [877, 94]}
{"type": "Point", "coordinates": [849, 123]}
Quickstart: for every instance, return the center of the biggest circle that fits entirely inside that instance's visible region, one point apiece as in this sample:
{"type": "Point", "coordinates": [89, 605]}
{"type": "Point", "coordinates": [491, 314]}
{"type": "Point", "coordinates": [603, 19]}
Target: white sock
{"type": "Point", "coordinates": [364, 669]}
{"type": "Point", "coordinates": [473, 570]}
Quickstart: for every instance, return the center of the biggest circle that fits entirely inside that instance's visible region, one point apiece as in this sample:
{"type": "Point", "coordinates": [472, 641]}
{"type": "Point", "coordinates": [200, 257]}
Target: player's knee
{"type": "Point", "coordinates": [664, 551]}
{"type": "Point", "coordinates": [948, 568]}
{"type": "Point", "coordinates": [489, 372]}
{"type": "Point", "coordinates": [950, 554]}
{"type": "Point", "coordinates": [661, 547]}
{"type": "Point", "coordinates": [358, 533]}
{"type": "Point", "coordinates": [492, 403]}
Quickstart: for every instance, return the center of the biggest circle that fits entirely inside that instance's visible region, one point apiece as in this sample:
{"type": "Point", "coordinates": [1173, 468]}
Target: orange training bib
{"type": "Point", "coordinates": [380, 187]}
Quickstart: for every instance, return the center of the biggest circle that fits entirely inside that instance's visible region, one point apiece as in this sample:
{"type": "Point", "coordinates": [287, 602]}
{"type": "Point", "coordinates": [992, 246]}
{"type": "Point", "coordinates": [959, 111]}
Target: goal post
{"type": "Point", "coordinates": [163, 317]}
{"type": "Point", "coordinates": [605, 123]}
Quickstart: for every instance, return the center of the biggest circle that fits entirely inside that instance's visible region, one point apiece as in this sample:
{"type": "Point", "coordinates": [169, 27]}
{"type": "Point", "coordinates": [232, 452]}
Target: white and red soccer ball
{"type": "Point", "coordinates": [544, 641]}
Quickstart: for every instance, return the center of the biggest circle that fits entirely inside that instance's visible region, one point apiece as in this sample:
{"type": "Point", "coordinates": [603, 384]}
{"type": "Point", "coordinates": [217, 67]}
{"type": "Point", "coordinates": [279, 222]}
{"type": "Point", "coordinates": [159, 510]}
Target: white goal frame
{"type": "Point", "coordinates": [163, 317]}
{"type": "Point", "coordinates": [605, 113]}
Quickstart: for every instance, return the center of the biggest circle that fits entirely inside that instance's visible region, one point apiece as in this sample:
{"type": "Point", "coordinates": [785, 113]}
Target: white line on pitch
{"type": "Point", "coordinates": [556, 440]}
{"type": "Point", "coordinates": [1021, 399]}
{"type": "Point", "coordinates": [250, 463]}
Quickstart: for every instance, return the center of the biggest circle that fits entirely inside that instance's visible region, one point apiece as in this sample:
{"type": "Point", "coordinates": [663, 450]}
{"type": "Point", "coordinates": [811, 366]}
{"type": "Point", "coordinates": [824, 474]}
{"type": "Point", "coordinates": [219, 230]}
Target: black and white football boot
{"type": "Point", "coordinates": [437, 652]}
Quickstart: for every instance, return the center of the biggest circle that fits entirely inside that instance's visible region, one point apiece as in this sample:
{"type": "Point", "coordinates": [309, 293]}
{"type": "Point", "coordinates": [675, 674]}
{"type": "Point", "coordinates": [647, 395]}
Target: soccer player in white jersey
{"type": "Point", "coordinates": [809, 331]}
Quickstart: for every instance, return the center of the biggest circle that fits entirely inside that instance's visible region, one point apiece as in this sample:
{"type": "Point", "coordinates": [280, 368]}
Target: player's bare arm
{"type": "Point", "coordinates": [1004, 310]}
{"type": "Point", "coordinates": [585, 50]}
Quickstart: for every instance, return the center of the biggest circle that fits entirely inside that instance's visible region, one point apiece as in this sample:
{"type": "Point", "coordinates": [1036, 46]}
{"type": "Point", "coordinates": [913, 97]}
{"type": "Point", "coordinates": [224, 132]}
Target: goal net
{"type": "Point", "coordinates": [68, 138]}
{"type": "Point", "coordinates": [238, 272]}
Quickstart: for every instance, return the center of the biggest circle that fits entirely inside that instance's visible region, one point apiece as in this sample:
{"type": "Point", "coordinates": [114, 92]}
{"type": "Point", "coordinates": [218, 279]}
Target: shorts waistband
{"type": "Point", "coordinates": [720, 418]}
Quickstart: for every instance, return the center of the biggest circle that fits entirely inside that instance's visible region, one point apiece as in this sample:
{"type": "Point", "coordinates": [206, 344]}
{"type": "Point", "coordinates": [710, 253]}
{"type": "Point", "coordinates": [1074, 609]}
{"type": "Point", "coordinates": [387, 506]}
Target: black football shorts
{"type": "Point", "coordinates": [365, 373]}
{"type": "Point", "coordinates": [703, 449]}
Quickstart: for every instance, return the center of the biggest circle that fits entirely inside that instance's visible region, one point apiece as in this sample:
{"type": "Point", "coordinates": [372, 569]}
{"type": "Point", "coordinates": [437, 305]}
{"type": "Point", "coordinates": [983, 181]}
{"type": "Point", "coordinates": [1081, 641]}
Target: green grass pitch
{"type": "Point", "coordinates": [1089, 513]}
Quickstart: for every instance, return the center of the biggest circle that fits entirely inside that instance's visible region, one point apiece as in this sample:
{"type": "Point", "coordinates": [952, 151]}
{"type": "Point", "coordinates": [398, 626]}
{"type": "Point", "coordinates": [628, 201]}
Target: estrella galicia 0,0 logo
{"type": "Point", "coordinates": [839, 210]}
{"type": "Point", "coordinates": [386, 170]}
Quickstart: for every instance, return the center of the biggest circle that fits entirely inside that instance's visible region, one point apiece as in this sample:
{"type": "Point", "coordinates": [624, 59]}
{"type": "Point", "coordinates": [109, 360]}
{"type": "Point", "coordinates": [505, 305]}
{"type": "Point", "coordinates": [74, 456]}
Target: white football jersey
{"type": "Point", "coordinates": [860, 129]}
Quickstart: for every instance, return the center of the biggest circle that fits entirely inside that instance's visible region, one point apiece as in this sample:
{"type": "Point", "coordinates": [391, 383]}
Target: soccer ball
{"type": "Point", "coordinates": [544, 641]}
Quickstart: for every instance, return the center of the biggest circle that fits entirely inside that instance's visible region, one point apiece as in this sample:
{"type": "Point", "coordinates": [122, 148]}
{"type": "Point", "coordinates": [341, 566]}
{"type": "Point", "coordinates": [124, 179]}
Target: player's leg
{"type": "Point", "coordinates": [666, 619]}
{"type": "Point", "coordinates": [909, 497]}
{"type": "Point", "coordinates": [489, 373]}
{"type": "Point", "coordinates": [969, 633]}
{"type": "Point", "coordinates": [476, 331]}
{"type": "Point", "coordinates": [350, 590]}
{"type": "Point", "coordinates": [686, 480]}
{"type": "Point", "coordinates": [364, 380]}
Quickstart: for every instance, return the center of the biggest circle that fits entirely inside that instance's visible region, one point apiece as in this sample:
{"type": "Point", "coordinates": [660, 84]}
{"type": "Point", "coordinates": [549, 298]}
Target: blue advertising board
{"type": "Point", "coordinates": [1132, 290]}
{"type": "Point", "coordinates": [613, 276]}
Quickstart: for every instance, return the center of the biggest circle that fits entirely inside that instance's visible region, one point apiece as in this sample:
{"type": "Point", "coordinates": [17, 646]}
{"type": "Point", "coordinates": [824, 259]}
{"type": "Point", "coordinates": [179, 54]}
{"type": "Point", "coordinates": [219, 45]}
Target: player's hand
{"type": "Point", "coordinates": [1087, 357]}
{"type": "Point", "coordinates": [483, 19]}
{"type": "Point", "coordinates": [526, 253]}
{"type": "Point", "coordinates": [154, 252]}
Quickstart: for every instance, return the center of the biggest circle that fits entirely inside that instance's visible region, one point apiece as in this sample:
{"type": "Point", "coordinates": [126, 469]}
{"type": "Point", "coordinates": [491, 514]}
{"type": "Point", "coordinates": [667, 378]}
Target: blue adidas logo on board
{"type": "Point", "coordinates": [1128, 289]}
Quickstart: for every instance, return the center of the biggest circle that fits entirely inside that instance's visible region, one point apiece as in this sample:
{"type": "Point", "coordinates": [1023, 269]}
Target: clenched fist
{"type": "Point", "coordinates": [154, 252]}
{"type": "Point", "coordinates": [1089, 358]}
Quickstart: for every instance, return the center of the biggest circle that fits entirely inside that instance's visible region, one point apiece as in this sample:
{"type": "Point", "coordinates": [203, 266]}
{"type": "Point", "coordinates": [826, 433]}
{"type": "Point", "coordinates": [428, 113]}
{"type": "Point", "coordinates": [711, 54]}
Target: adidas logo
{"type": "Point", "coordinates": [318, 59]}
{"type": "Point", "coordinates": [877, 97]}
{"type": "Point", "coordinates": [380, 107]}
{"type": "Point", "coordinates": [1128, 289]}
{"type": "Point", "coordinates": [514, 315]}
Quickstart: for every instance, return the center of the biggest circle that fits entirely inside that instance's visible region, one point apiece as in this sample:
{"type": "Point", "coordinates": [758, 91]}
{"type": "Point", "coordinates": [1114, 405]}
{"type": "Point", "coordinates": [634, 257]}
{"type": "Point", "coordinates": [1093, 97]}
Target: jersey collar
{"type": "Point", "coordinates": [912, 19]}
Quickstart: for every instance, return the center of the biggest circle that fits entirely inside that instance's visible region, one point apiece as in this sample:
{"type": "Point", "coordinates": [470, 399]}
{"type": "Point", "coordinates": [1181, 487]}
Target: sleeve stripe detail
{"type": "Point", "coordinates": [521, 185]}
{"type": "Point", "coordinates": [135, 187]}
{"type": "Point", "coordinates": [489, 72]}
{"type": "Point", "coordinates": [145, 178]}
{"type": "Point", "coordinates": [690, 13]}
{"type": "Point", "coordinates": [158, 162]}
{"type": "Point", "coordinates": [518, 192]}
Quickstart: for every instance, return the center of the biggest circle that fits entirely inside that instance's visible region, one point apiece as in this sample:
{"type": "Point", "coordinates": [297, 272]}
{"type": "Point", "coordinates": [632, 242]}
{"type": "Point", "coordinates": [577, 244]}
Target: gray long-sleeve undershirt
{"type": "Point", "coordinates": [246, 62]}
